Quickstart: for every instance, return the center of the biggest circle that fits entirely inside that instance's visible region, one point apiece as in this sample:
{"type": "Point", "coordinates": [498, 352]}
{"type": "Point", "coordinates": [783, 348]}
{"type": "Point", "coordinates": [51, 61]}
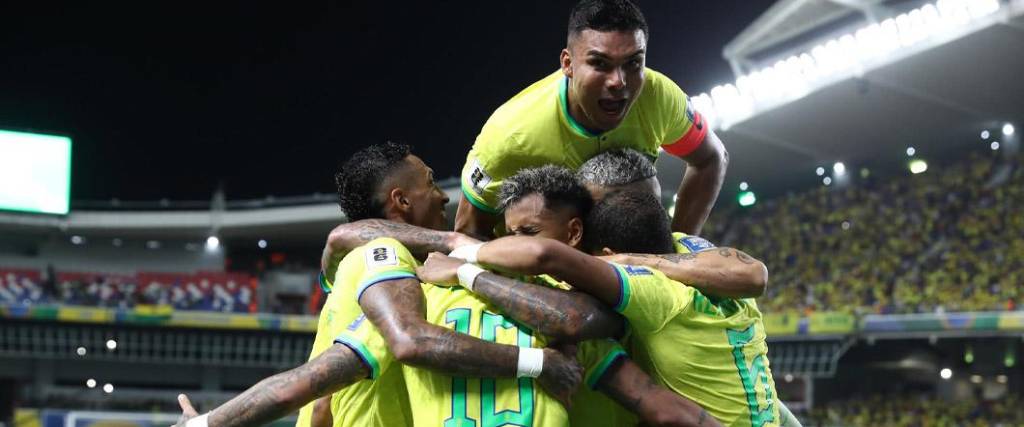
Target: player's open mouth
{"type": "Point", "coordinates": [612, 107]}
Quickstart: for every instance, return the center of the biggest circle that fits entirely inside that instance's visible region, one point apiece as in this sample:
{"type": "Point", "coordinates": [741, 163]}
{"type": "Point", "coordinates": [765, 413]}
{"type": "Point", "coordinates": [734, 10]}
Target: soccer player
{"type": "Point", "coordinates": [383, 181]}
{"type": "Point", "coordinates": [602, 98]}
{"type": "Point", "coordinates": [709, 349]}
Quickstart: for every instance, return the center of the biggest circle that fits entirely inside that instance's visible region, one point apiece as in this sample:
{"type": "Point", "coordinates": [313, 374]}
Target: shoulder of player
{"type": "Point", "coordinates": [381, 251]}
{"type": "Point", "coordinates": [658, 89]}
{"type": "Point", "coordinates": [525, 113]}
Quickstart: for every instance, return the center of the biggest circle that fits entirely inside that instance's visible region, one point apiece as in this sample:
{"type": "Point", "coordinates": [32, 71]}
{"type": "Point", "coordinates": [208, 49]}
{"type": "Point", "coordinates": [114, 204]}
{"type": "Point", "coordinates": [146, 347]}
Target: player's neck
{"type": "Point", "coordinates": [576, 114]}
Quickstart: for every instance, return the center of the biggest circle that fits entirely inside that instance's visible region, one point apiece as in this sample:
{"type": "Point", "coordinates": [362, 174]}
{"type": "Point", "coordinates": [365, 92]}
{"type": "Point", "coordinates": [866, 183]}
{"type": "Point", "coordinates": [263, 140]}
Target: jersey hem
{"type": "Point", "coordinates": [361, 351]}
{"type": "Point", "coordinates": [383, 277]}
{"type": "Point", "coordinates": [624, 291]}
{"type": "Point", "coordinates": [602, 368]}
{"type": "Point", "coordinates": [476, 201]}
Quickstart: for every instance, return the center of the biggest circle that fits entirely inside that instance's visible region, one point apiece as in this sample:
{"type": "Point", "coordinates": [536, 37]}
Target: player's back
{"type": "Point", "coordinates": [445, 401]}
{"type": "Point", "coordinates": [712, 351]}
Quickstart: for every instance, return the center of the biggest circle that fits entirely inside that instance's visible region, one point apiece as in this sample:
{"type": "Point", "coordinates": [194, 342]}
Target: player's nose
{"type": "Point", "coordinates": [616, 80]}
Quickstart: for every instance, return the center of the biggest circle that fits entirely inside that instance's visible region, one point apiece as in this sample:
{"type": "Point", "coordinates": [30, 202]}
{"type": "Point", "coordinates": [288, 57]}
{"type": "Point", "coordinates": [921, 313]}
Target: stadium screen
{"type": "Point", "coordinates": [35, 172]}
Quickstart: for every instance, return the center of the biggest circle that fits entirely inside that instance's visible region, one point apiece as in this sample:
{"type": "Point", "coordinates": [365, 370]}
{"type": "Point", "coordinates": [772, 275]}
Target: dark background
{"type": "Point", "coordinates": [168, 99]}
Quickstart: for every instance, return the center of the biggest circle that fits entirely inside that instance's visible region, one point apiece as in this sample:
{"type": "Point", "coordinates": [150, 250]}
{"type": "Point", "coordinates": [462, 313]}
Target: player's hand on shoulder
{"type": "Point", "coordinates": [187, 411]}
{"type": "Point", "coordinates": [440, 269]}
{"type": "Point", "coordinates": [561, 375]}
{"type": "Point", "coordinates": [459, 240]}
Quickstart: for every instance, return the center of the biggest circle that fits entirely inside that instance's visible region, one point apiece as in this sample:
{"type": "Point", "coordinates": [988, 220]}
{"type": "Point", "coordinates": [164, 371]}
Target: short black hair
{"type": "Point", "coordinates": [628, 221]}
{"type": "Point", "coordinates": [616, 167]}
{"type": "Point", "coordinates": [361, 176]}
{"type": "Point", "coordinates": [558, 186]}
{"type": "Point", "coordinates": [606, 15]}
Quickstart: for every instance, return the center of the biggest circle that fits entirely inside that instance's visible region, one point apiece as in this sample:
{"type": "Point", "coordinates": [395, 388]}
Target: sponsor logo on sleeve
{"type": "Point", "coordinates": [692, 115]}
{"type": "Point", "coordinates": [381, 255]}
{"type": "Point", "coordinates": [355, 323]}
{"type": "Point", "coordinates": [478, 177]}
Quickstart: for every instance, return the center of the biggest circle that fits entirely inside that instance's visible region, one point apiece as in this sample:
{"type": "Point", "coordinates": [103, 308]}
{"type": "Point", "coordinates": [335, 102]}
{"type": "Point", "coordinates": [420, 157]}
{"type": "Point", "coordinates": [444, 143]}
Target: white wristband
{"type": "Point", "coordinates": [201, 421]}
{"type": "Point", "coordinates": [531, 362]}
{"type": "Point", "coordinates": [467, 252]}
{"type": "Point", "coordinates": [467, 275]}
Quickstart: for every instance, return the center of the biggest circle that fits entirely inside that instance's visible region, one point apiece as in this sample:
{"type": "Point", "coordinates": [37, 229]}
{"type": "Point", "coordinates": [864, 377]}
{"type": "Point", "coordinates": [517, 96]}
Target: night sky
{"type": "Point", "coordinates": [166, 99]}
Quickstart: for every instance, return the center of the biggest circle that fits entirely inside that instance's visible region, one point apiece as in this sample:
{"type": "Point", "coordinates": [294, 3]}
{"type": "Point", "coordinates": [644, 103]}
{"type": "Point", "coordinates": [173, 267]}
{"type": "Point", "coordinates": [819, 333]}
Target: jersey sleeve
{"type": "Point", "coordinates": [684, 127]}
{"type": "Point", "coordinates": [685, 243]}
{"type": "Point", "coordinates": [383, 259]}
{"type": "Point", "coordinates": [596, 357]}
{"type": "Point", "coordinates": [366, 341]}
{"type": "Point", "coordinates": [648, 299]}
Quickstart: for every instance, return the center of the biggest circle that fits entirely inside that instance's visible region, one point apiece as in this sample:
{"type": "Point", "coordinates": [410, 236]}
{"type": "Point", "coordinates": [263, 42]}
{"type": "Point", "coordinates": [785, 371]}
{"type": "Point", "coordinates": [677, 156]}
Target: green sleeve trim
{"type": "Point", "coordinates": [477, 201]}
{"type": "Point", "coordinates": [598, 372]}
{"type": "Point", "coordinates": [624, 291]}
{"type": "Point", "coordinates": [325, 284]}
{"type": "Point", "coordinates": [361, 351]}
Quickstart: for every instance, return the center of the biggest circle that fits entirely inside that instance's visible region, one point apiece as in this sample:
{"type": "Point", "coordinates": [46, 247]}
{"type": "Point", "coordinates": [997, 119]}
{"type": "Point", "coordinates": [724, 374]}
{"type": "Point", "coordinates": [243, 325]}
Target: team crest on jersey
{"type": "Point", "coordinates": [637, 271]}
{"type": "Point", "coordinates": [478, 177]}
{"type": "Point", "coordinates": [355, 323]}
{"type": "Point", "coordinates": [695, 243]}
{"type": "Point", "coordinates": [381, 255]}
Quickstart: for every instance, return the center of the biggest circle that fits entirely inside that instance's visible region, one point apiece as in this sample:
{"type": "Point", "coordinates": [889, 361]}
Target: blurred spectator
{"type": "Point", "coordinates": [913, 411]}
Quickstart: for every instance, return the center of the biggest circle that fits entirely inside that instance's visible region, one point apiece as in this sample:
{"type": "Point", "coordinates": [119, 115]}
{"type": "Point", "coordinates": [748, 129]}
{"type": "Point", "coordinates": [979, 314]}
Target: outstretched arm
{"type": "Point", "coordinates": [720, 272]}
{"type": "Point", "coordinates": [284, 393]}
{"type": "Point", "coordinates": [420, 241]}
{"type": "Point", "coordinates": [705, 173]}
{"type": "Point", "coordinates": [636, 391]}
{"type": "Point", "coordinates": [559, 314]}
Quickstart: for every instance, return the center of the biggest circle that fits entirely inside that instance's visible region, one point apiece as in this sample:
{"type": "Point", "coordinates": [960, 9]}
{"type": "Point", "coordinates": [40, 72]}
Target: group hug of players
{"type": "Point", "coordinates": [593, 309]}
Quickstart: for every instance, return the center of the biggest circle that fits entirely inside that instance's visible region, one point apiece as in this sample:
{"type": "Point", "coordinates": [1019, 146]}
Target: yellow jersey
{"type": "Point", "coordinates": [534, 128]}
{"type": "Point", "coordinates": [379, 400]}
{"type": "Point", "coordinates": [710, 351]}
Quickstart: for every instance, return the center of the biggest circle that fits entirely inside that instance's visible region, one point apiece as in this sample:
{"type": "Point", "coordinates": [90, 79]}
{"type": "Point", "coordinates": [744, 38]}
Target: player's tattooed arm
{"type": "Point", "coordinates": [284, 393]}
{"type": "Point", "coordinates": [559, 314]}
{"type": "Point", "coordinates": [420, 241]}
{"type": "Point", "coordinates": [636, 391]}
{"type": "Point", "coordinates": [720, 272]}
{"type": "Point", "coordinates": [396, 308]}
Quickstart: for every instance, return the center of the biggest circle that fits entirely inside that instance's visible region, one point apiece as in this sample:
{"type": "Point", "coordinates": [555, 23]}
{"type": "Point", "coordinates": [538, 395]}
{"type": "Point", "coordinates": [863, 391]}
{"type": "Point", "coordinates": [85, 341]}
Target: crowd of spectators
{"type": "Point", "coordinates": [918, 411]}
{"type": "Point", "coordinates": [950, 239]}
{"type": "Point", "coordinates": [211, 291]}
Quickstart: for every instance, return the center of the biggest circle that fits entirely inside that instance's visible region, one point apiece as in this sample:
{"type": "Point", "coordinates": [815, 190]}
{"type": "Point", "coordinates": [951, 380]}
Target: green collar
{"type": "Point", "coordinates": [563, 99]}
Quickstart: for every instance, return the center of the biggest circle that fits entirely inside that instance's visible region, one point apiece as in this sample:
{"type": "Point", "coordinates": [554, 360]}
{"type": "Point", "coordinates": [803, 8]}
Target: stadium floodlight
{"type": "Point", "coordinates": [994, 145]}
{"type": "Point", "coordinates": [1008, 129]}
{"type": "Point", "coordinates": [91, 383]}
{"type": "Point", "coordinates": [747, 198]}
{"type": "Point", "coordinates": [212, 243]}
{"type": "Point", "coordinates": [839, 169]}
{"type": "Point", "coordinates": [946, 373]}
{"type": "Point", "coordinates": [744, 186]}
{"type": "Point", "coordinates": [111, 344]}
{"type": "Point", "coordinates": [911, 151]}
{"type": "Point", "coordinates": [108, 388]}
{"type": "Point", "coordinates": [827, 181]}
{"type": "Point", "coordinates": [80, 351]}
{"type": "Point", "coordinates": [985, 134]}
{"type": "Point", "coordinates": [77, 240]}
{"type": "Point", "coordinates": [262, 244]}
{"type": "Point", "coordinates": [918, 166]}
{"type": "Point", "coordinates": [1001, 379]}
{"type": "Point", "coordinates": [819, 171]}
{"type": "Point", "coordinates": [789, 378]}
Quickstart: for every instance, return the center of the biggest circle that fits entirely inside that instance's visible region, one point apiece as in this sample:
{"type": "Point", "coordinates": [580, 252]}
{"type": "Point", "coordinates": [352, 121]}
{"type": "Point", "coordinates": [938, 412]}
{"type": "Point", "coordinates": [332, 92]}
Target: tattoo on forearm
{"type": "Point", "coordinates": [397, 310]}
{"type": "Point", "coordinates": [744, 258]}
{"type": "Point", "coordinates": [420, 241]}
{"type": "Point", "coordinates": [724, 252]}
{"type": "Point", "coordinates": [274, 397]}
{"type": "Point", "coordinates": [552, 312]}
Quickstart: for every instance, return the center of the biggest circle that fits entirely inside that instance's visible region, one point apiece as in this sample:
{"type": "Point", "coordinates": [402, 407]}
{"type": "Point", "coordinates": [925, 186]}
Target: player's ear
{"type": "Point", "coordinates": [575, 231]}
{"type": "Point", "coordinates": [607, 251]}
{"type": "Point", "coordinates": [566, 61]}
{"type": "Point", "coordinates": [397, 198]}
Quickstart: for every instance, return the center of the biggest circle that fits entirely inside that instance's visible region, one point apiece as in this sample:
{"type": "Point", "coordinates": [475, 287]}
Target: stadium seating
{"type": "Point", "coordinates": [909, 410]}
{"type": "Point", "coordinates": [210, 291]}
{"type": "Point", "coordinates": [947, 240]}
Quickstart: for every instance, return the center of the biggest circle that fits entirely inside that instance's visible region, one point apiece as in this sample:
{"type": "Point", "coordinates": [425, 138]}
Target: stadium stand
{"type": "Point", "coordinates": [209, 291]}
{"type": "Point", "coordinates": [943, 241]}
{"type": "Point", "coordinates": [909, 410]}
